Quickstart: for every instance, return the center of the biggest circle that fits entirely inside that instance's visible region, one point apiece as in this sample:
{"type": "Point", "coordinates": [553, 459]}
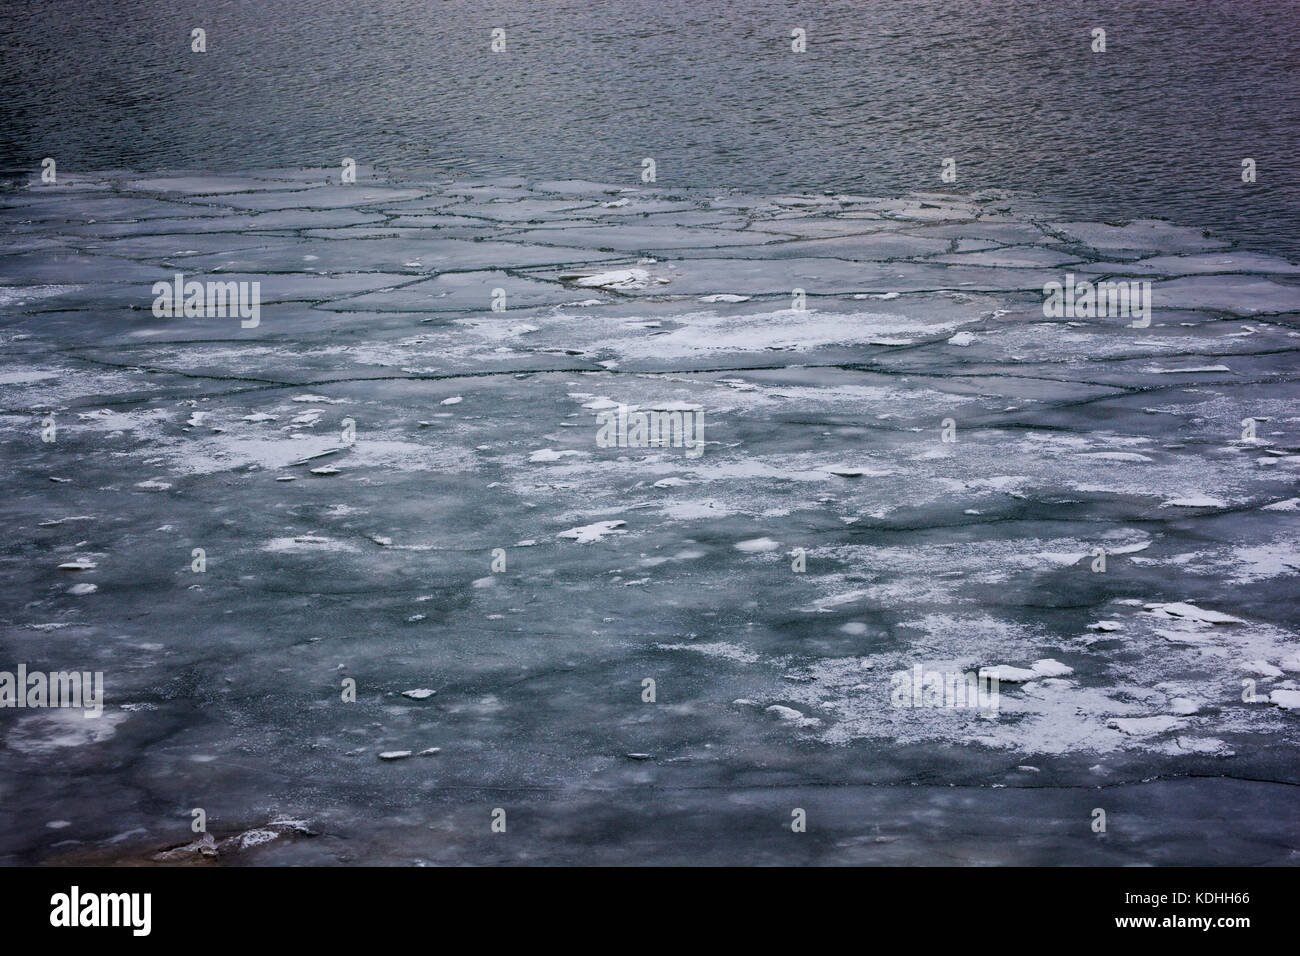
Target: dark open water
{"type": "Point", "coordinates": [1156, 126]}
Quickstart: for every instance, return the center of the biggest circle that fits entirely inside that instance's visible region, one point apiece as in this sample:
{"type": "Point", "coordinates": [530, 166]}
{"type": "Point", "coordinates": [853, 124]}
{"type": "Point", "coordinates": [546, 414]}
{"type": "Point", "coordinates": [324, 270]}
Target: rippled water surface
{"type": "Point", "coordinates": [1155, 126]}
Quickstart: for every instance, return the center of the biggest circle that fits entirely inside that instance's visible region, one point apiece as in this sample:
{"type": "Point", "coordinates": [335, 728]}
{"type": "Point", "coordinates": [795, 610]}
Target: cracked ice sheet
{"type": "Point", "coordinates": [477, 429]}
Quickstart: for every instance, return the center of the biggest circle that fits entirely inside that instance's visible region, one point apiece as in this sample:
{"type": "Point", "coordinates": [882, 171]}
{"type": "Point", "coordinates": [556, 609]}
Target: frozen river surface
{"type": "Point", "coordinates": [395, 486]}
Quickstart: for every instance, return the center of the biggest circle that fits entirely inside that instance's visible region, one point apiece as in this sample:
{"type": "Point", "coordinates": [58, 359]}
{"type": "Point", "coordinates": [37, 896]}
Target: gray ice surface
{"type": "Point", "coordinates": [476, 430]}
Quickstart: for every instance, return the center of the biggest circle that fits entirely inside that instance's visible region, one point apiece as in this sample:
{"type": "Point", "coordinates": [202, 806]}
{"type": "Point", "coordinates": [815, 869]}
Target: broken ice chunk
{"type": "Point", "coordinates": [853, 471]}
{"type": "Point", "coordinates": [618, 279]}
{"type": "Point", "coordinates": [549, 454]}
{"type": "Point", "coordinates": [1008, 675]}
{"type": "Point", "coordinates": [1145, 726]}
{"type": "Point", "coordinates": [1263, 668]}
{"type": "Point", "coordinates": [1289, 504]}
{"type": "Point", "coordinates": [1051, 668]}
{"type": "Point", "coordinates": [593, 532]}
{"type": "Point", "coordinates": [252, 838]}
{"type": "Point", "coordinates": [754, 545]}
{"type": "Point", "coordinates": [1286, 699]}
{"type": "Point", "coordinates": [80, 564]}
{"type": "Point", "coordinates": [1191, 612]}
{"type": "Point", "coordinates": [791, 716]}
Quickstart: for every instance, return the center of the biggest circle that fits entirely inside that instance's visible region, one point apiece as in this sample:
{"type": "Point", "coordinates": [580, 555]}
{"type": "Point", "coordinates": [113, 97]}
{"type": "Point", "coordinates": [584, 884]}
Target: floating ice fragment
{"type": "Point", "coordinates": [252, 838]}
{"type": "Point", "coordinates": [1145, 726]}
{"type": "Point", "coordinates": [1191, 612]}
{"type": "Point", "coordinates": [1065, 559]}
{"type": "Point", "coordinates": [1116, 456]}
{"type": "Point", "coordinates": [792, 716]}
{"type": "Point", "coordinates": [320, 454]}
{"type": "Point", "coordinates": [593, 532]}
{"type": "Point", "coordinates": [306, 543]}
{"type": "Point", "coordinates": [205, 846]}
{"type": "Point", "coordinates": [549, 454]}
{"type": "Point", "coordinates": [1197, 501]}
{"type": "Point", "coordinates": [1129, 548]}
{"type": "Point", "coordinates": [1262, 668]}
{"type": "Point", "coordinates": [618, 279]}
{"type": "Point", "coordinates": [723, 649]}
{"type": "Point", "coordinates": [1008, 675]}
{"type": "Point", "coordinates": [1290, 504]}
{"type": "Point", "coordinates": [854, 471]}
{"type": "Point", "coordinates": [1051, 668]}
